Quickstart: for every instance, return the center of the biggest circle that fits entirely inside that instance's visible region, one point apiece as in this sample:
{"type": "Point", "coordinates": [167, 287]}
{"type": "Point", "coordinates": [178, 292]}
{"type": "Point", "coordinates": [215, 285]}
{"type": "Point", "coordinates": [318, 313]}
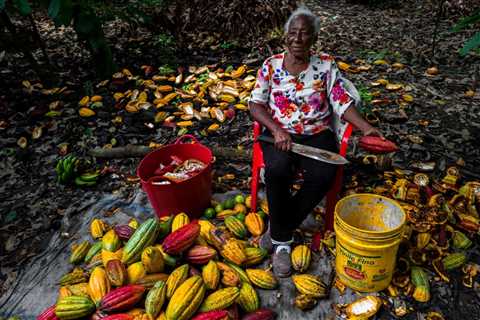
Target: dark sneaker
{"type": "Point", "coordinates": [266, 241]}
{"type": "Point", "coordinates": [282, 265]}
{"type": "Point", "coordinates": [311, 224]}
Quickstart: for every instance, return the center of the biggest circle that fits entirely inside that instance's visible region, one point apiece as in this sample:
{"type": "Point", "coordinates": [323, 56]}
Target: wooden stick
{"type": "Point", "coordinates": [131, 151]}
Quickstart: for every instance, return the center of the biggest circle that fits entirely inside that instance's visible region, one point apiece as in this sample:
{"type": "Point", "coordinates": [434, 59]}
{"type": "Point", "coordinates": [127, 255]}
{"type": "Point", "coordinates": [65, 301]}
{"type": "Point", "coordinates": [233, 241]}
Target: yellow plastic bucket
{"type": "Point", "coordinates": [368, 229]}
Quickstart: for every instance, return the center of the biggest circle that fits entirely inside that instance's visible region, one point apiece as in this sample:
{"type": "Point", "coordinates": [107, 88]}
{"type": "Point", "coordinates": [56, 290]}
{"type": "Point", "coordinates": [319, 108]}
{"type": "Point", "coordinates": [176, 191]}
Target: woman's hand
{"type": "Point", "coordinates": [283, 140]}
{"type": "Point", "coordinates": [372, 131]}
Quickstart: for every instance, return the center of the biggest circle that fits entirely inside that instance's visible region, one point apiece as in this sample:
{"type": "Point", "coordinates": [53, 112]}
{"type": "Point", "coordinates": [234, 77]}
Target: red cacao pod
{"type": "Point", "coordinates": [181, 239]}
{"type": "Point", "coordinates": [122, 298]}
{"type": "Point", "coordinates": [124, 231]}
{"type": "Point", "coordinates": [119, 316]}
{"type": "Point", "coordinates": [261, 314]}
{"type": "Point", "coordinates": [200, 254]}
{"type": "Point", "coordinates": [211, 315]}
{"type": "Point", "coordinates": [48, 314]}
{"type": "Point", "coordinates": [377, 144]}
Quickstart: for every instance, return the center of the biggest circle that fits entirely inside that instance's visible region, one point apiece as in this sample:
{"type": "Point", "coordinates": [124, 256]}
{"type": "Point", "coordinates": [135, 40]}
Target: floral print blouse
{"type": "Point", "coordinates": [304, 104]}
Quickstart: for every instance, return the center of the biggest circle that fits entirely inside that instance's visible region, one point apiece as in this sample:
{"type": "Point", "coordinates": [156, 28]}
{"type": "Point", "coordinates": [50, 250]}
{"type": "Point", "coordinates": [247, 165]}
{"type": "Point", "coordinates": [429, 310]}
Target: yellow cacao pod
{"type": "Point", "coordinates": [254, 223]}
{"type": "Point", "coordinates": [135, 272]}
{"type": "Point", "coordinates": [176, 278]}
{"type": "Point", "coordinates": [79, 251]}
{"type": "Point", "coordinates": [234, 252]}
{"type": "Point", "coordinates": [220, 299]}
{"type": "Point", "coordinates": [230, 278]}
{"type": "Point", "coordinates": [97, 228]}
{"type": "Point", "coordinates": [107, 256]}
{"type": "Point", "coordinates": [86, 112]}
{"type": "Point", "coordinates": [79, 289]}
{"type": "Point", "coordinates": [205, 227]}
{"type": "Point", "coordinates": [310, 285]}
{"type": "Point", "coordinates": [262, 278]}
{"type": "Point", "coordinates": [133, 223]}
{"type": "Point", "coordinates": [152, 259]}
{"type": "Point", "coordinates": [301, 256]}
{"type": "Point", "coordinates": [111, 241]}
{"type": "Point", "coordinates": [179, 221]}
{"type": "Point", "coordinates": [98, 284]}
{"type": "Point", "coordinates": [64, 292]}
{"type": "Point", "coordinates": [186, 299]}
{"type": "Point", "coordinates": [211, 275]}
{"type": "Point", "coordinates": [248, 298]}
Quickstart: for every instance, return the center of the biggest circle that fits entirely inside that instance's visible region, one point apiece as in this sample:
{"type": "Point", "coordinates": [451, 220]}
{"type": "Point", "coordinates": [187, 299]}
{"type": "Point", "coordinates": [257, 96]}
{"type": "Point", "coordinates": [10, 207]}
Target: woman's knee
{"type": "Point", "coordinates": [279, 168]}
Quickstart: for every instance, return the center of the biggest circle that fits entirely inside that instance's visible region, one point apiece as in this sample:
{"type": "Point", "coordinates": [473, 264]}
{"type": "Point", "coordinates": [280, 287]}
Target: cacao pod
{"type": "Point", "coordinates": [301, 256]}
{"type": "Point", "coordinates": [186, 299]}
{"type": "Point", "coordinates": [262, 278]}
{"type": "Point", "coordinates": [310, 285]}
{"type": "Point", "coordinates": [176, 278]}
{"type": "Point", "coordinates": [305, 302]}
{"type": "Point", "coordinates": [152, 259]}
{"type": "Point", "coordinates": [220, 299]}
{"type": "Point", "coordinates": [200, 254]}
{"type": "Point", "coordinates": [179, 240]}
{"type": "Point", "coordinates": [236, 227]}
{"type": "Point", "coordinates": [377, 144]}
{"type": "Point", "coordinates": [124, 231]}
{"type": "Point", "coordinates": [97, 228]}
{"type": "Point", "coordinates": [248, 298]}
{"type": "Point", "coordinates": [179, 221]}
{"type": "Point", "coordinates": [254, 256]}
{"type": "Point", "coordinates": [79, 252]}
{"type": "Point", "coordinates": [111, 241]}
{"type": "Point", "coordinates": [144, 235]}
{"type": "Point", "coordinates": [212, 315]}
{"type": "Point", "coordinates": [76, 276]}
{"type": "Point", "coordinates": [121, 299]}
{"type": "Point", "coordinates": [48, 314]}
{"type": "Point", "coordinates": [241, 273]}
{"type": "Point", "coordinates": [116, 272]}
{"type": "Point", "coordinates": [74, 307]}
{"type": "Point", "coordinates": [205, 227]}
{"type": "Point", "coordinates": [79, 289]}
{"type": "Point", "coordinates": [454, 260]}
{"type": "Point", "coordinates": [119, 316]}
{"type": "Point", "coordinates": [107, 256]}
{"type": "Point", "coordinates": [98, 285]}
{"type": "Point", "coordinates": [460, 240]}
{"type": "Point", "coordinates": [261, 314]}
{"type": "Point", "coordinates": [234, 252]}
{"type": "Point", "coordinates": [150, 279]}
{"type": "Point", "coordinates": [254, 223]}
{"type": "Point", "coordinates": [94, 250]}
{"type": "Point", "coordinates": [155, 299]}
{"type": "Point", "coordinates": [64, 292]}
{"type": "Point", "coordinates": [135, 272]}
{"type": "Point", "coordinates": [211, 275]}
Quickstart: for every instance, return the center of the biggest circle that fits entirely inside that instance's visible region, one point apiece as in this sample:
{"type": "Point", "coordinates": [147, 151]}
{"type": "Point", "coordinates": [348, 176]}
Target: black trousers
{"type": "Point", "coordinates": [286, 211]}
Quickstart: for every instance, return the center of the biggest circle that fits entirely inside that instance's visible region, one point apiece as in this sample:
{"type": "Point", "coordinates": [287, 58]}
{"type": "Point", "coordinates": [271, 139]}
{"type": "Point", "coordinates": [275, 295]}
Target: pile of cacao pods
{"type": "Point", "coordinates": [201, 97]}
{"type": "Point", "coordinates": [442, 221]}
{"type": "Point", "coordinates": [174, 268]}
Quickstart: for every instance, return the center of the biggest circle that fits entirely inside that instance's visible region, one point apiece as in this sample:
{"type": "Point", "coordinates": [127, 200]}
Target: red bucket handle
{"type": "Point", "coordinates": [186, 136]}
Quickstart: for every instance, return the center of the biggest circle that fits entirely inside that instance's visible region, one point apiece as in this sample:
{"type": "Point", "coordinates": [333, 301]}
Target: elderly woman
{"type": "Point", "coordinates": [296, 97]}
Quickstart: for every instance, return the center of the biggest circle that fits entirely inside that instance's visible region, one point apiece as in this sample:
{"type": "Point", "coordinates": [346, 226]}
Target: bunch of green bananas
{"type": "Point", "coordinates": [87, 179]}
{"type": "Point", "coordinates": [66, 169]}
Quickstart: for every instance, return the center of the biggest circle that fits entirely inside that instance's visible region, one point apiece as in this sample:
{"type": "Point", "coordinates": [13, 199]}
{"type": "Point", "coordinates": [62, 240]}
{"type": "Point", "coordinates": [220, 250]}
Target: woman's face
{"type": "Point", "coordinates": [300, 37]}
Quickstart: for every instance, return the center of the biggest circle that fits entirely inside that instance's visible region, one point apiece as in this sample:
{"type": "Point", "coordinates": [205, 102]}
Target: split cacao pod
{"type": "Point", "coordinates": [116, 272]}
{"type": "Point", "coordinates": [79, 289]}
{"type": "Point", "coordinates": [211, 275]}
{"type": "Point", "coordinates": [143, 236]}
{"type": "Point", "coordinates": [124, 231]}
{"type": "Point", "coordinates": [121, 299]}
{"type": "Point", "coordinates": [262, 278]}
{"type": "Point", "coordinates": [377, 145]}
{"type": "Point", "coordinates": [186, 299]}
{"type": "Point", "coordinates": [76, 276]}
{"type": "Point", "coordinates": [220, 299]}
{"type": "Point", "coordinates": [236, 227]}
{"type": "Point", "coordinates": [261, 314]}
{"type": "Point", "coordinates": [64, 292]}
{"type": "Point", "coordinates": [301, 256]}
{"type": "Point", "coordinates": [74, 307]}
{"type": "Point", "coordinates": [48, 314]}
{"type": "Point", "coordinates": [248, 298]}
{"type": "Point", "coordinates": [179, 221]}
{"type": "Point", "coordinates": [111, 241]}
{"type": "Point", "coordinates": [212, 315]}
{"type": "Point", "coordinates": [305, 302]}
{"type": "Point", "coordinates": [200, 254]}
{"type": "Point", "coordinates": [97, 228]}
{"type": "Point", "coordinates": [98, 284]}
{"type": "Point", "coordinates": [181, 239]}
{"type": "Point", "coordinates": [79, 251]}
{"type": "Point", "coordinates": [107, 255]}
{"type": "Point", "coordinates": [205, 227]}
{"type": "Point", "coordinates": [176, 278]}
{"type": "Point", "coordinates": [254, 223]}
{"type": "Point", "coordinates": [152, 259]}
{"type": "Point", "coordinates": [310, 285]}
{"type": "Point", "coordinates": [155, 299]}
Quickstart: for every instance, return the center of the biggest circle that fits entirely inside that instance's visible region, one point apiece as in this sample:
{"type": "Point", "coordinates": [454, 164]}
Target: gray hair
{"type": "Point", "coordinates": [303, 11]}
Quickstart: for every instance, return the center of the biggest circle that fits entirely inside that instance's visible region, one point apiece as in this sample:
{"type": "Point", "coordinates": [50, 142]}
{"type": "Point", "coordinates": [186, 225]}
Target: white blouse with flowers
{"type": "Point", "coordinates": [308, 103]}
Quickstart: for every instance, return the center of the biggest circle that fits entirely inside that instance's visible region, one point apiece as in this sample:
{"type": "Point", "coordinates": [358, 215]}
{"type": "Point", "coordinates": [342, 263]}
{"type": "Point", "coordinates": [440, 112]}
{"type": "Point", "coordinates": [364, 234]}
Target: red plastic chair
{"type": "Point", "coordinates": [332, 195]}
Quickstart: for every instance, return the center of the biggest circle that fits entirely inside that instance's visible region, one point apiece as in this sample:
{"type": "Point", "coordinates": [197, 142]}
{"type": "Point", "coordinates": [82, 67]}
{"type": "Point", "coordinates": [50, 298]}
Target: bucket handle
{"type": "Point", "coordinates": [186, 136]}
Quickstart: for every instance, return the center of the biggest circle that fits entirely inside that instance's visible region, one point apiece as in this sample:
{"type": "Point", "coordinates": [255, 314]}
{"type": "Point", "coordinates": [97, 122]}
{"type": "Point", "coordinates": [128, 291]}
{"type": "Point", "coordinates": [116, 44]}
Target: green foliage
{"type": "Point", "coordinates": [474, 42]}
{"type": "Point", "coordinates": [165, 70]}
{"type": "Point", "coordinates": [366, 97]}
{"type": "Point", "coordinates": [22, 6]}
{"type": "Point", "coordinates": [227, 45]}
{"type": "Point", "coordinates": [163, 40]}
